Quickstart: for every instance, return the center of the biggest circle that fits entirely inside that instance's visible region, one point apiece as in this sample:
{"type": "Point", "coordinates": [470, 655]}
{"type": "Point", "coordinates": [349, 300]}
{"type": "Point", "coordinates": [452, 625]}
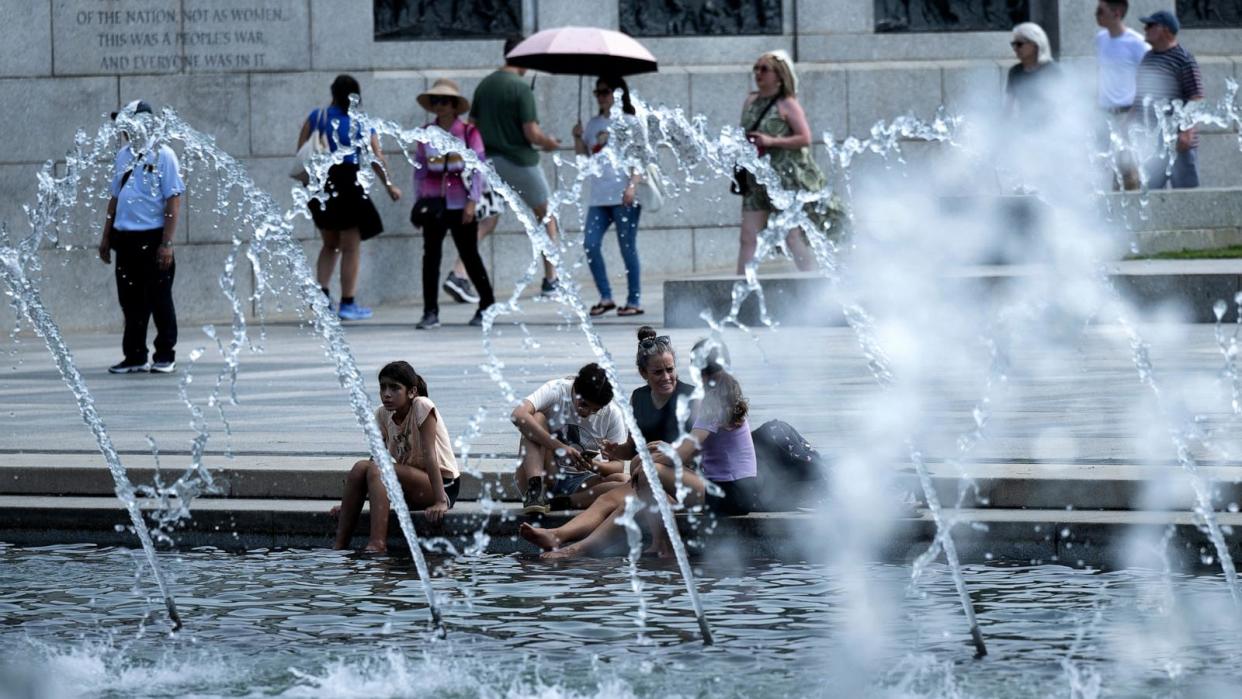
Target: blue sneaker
{"type": "Point", "coordinates": [352, 311]}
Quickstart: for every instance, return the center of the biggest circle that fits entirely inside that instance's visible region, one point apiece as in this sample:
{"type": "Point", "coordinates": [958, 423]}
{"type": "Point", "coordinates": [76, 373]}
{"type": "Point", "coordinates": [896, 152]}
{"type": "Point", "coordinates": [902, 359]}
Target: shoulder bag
{"type": "Point", "coordinates": [432, 210]}
{"type": "Point", "coordinates": [315, 145]}
{"type": "Point", "coordinates": [741, 184]}
{"type": "Point", "coordinates": [651, 189]}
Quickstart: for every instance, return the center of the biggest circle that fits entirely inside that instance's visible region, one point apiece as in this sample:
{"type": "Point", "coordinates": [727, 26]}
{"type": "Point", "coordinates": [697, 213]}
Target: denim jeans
{"type": "Point", "coordinates": [1185, 171]}
{"type": "Point", "coordinates": [597, 222]}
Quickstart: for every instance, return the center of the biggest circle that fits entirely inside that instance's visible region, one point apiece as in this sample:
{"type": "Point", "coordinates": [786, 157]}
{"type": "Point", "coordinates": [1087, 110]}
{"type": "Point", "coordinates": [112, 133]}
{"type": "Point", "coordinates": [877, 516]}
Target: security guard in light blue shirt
{"type": "Point", "coordinates": [141, 223]}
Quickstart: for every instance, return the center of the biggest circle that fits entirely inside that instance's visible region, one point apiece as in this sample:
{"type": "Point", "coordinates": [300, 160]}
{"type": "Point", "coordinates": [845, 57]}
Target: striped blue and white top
{"type": "Point", "coordinates": [1169, 75]}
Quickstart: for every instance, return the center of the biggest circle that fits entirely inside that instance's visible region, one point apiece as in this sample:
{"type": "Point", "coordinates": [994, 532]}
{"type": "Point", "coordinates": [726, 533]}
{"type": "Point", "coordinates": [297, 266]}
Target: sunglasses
{"type": "Point", "coordinates": [1018, 44]}
{"type": "Point", "coordinates": [437, 100]}
{"type": "Point", "coordinates": [649, 342]}
{"type": "Point", "coordinates": [600, 92]}
{"type": "Point", "coordinates": [762, 68]}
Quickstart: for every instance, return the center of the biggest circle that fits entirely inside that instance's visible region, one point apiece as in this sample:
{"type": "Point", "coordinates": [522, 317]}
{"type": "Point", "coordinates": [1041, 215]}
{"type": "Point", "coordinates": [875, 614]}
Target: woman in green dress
{"type": "Point", "coordinates": [778, 127]}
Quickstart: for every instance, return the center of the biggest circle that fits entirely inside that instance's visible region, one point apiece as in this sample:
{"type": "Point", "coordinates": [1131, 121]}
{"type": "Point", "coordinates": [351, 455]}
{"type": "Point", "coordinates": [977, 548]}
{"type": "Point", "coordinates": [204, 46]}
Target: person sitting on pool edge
{"type": "Point", "coordinates": [564, 425]}
{"type": "Point", "coordinates": [720, 440]}
{"type": "Point", "coordinates": [656, 405]}
{"type": "Point", "coordinates": [422, 457]}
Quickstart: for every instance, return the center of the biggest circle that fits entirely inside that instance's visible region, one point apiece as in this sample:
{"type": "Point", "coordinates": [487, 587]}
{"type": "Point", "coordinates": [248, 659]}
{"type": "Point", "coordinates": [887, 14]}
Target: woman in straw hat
{"type": "Point", "coordinates": [776, 125]}
{"type": "Point", "coordinates": [442, 176]}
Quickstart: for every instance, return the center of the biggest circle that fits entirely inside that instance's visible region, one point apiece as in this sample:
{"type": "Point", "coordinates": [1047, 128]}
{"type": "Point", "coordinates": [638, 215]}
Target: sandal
{"type": "Point", "coordinates": [630, 311]}
{"type": "Point", "coordinates": [601, 308]}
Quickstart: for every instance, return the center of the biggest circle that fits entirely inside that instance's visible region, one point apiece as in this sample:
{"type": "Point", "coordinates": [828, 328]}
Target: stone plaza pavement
{"type": "Point", "coordinates": [1065, 459]}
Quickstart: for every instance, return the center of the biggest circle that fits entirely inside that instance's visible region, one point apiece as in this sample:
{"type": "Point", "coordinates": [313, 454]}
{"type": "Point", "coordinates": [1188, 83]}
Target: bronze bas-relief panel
{"type": "Point", "coordinates": [700, 17]}
{"type": "Point", "coordinates": [949, 15]}
{"type": "Point", "coordinates": [1210, 14]}
{"type": "Point", "coordinates": [414, 20]}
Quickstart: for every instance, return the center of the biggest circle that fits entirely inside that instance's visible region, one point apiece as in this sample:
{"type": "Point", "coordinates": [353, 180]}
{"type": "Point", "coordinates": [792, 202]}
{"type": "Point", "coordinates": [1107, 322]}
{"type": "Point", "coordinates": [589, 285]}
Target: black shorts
{"type": "Point", "coordinates": [452, 488]}
{"type": "Point", "coordinates": [738, 497]}
{"type": "Point", "coordinates": [348, 204]}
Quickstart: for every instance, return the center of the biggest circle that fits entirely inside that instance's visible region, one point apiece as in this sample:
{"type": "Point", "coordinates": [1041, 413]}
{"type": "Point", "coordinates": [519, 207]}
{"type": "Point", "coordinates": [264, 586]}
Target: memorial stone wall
{"type": "Point", "coordinates": [249, 71]}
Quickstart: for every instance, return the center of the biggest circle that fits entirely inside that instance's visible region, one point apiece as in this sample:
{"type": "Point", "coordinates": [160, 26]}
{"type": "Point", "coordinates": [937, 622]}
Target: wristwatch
{"type": "Point", "coordinates": [166, 244]}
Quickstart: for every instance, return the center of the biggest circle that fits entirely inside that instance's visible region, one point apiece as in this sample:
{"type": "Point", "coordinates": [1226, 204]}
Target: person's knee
{"type": "Point", "coordinates": [541, 419]}
{"type": "Point", "coordinates": [359, 470]}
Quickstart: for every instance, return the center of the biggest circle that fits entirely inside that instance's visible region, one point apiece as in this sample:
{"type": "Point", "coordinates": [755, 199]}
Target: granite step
{"type": "Point", "coordinates": [808, 299]}
{"type": "Point", "coordinates": [1096, 538]}
{"type": "Point", "coordinates": [1013, 484]}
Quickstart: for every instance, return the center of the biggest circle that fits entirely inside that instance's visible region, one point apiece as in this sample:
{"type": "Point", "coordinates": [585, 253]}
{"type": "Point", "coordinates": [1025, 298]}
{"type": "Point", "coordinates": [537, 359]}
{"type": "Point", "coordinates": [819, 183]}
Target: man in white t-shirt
{"type": "Point", "coordinates": [563, 424]}
{"type": "Point", "coordinates": [1118, 52]}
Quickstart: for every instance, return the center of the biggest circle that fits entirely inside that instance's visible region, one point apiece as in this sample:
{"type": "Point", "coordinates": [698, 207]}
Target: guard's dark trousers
{"type": "Point", "coordinates": [145, 291]}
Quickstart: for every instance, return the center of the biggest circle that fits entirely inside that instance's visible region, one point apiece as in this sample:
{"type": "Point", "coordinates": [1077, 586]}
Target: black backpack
{"type": "Point", "coordinates": [791, 472]}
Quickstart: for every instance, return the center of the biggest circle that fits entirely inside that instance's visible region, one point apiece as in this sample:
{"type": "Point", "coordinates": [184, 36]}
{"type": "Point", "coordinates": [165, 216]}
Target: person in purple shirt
{"type": "Point", "coordinates": [720, 439]}
{"type": "Point", "coordinates": [442, 176]}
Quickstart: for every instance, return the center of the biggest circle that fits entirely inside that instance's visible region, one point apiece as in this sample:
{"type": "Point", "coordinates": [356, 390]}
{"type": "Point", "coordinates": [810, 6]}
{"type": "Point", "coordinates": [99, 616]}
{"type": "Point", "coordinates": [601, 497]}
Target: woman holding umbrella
{"type": "Point", "coordinates": [777, 126]}
{"type": "Point", "coordinates": [612, 200]}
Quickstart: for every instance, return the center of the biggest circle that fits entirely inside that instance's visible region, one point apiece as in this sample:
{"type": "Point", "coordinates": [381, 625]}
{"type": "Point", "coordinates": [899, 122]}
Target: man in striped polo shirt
{"type": "Point", "coordinates": [1169, 72]}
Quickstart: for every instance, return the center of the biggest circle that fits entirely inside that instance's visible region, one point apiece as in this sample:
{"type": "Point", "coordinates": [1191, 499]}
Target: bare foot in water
{"type": "Point", "coordinates": [567, 553]}
{"type": "Point", "coordinates": [335, 512]}
{"type": "Point", "coordinates": [543, 538]}
{"type": "Point", "coordinates": [376, 548]}
{"type": "Point", "coordinates": [658, 552]}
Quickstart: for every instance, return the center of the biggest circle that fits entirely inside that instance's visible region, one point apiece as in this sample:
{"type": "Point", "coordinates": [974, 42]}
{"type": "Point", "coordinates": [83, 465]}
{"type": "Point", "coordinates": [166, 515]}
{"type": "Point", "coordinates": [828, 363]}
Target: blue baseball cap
{"type": "Point", "coordinates": [1163, 17]}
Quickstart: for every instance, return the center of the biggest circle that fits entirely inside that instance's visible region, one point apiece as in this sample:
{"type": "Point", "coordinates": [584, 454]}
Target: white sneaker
{"type": "Point", "coordinates": [164, 367]}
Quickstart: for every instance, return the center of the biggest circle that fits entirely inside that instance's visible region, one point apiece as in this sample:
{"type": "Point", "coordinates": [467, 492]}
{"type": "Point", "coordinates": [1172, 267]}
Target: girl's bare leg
{"type": "Point", "coordinates": [351, 504]}
{"type": "Point", "coordinates": [804, 258]}
{"type": "Point", "coordinates": [326, 264]}
{"type": "Point", "coordinates": [752, 223]}
{"type": "Point", "coordinates": [415, 486]}
{"type": "Point", "coordinates": [668, 481]}
{"type": "Point", "coordinates": [660, 545]}
{"type": "Point", "coordinates": [605, 536]}
{"type": "Point", "coordinates": [580, 526]}
{"type": "Point", "coordinates": [585, 497]}
{"type": "Point", "coordinates": [351, 261]}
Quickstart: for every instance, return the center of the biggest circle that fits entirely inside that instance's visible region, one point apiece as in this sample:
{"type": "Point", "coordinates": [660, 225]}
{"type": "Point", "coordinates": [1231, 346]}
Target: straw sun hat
{"type": "Point", "coordinates": [444, 88]}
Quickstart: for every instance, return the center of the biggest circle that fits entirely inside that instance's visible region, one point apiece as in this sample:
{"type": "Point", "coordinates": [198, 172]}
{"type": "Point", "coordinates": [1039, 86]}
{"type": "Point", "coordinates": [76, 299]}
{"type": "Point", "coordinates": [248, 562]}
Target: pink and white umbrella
{"type": "Point", "coordinates": [583, 51]}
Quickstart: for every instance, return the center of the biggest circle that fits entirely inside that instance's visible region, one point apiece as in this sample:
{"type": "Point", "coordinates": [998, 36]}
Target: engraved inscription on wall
{"type": "Point", "coordinates": [949, 15]}
{"type": "Point", "coordinates": [700, 17]}
{"type": "Point", "coordinates": [190, 36]}
{"type": "Point", "coordinates": [1210, 14]}
{"type": "Point", "coordinates": [413, 20]}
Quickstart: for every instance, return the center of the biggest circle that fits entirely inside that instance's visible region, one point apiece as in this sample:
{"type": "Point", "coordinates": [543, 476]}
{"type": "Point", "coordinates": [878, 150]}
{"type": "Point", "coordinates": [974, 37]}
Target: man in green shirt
{"type": "Point", "coordinates": [503, 109]}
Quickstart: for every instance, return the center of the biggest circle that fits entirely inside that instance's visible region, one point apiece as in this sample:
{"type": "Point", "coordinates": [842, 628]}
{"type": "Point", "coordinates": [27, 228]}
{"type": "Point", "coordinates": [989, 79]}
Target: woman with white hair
{"type": "Point", "coordinates": [1032, 88]}
{"type": "Point", "coordinates": [777, 126]}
